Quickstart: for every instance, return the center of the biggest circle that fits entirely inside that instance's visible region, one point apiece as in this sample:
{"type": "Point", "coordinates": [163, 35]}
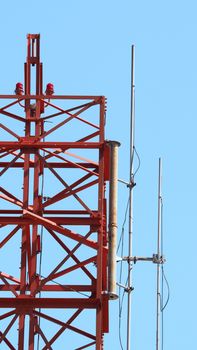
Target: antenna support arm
{"type": "Point", "coordinates": [155, 259]}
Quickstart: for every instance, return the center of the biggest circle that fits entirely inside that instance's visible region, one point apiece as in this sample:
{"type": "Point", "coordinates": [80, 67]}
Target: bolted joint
{"type": "Point", "coordinates": [129, 289]}
{"type": "Point", "coordinates": [131, 184]}
{"type": "Point", "coordinates": [158, 259]}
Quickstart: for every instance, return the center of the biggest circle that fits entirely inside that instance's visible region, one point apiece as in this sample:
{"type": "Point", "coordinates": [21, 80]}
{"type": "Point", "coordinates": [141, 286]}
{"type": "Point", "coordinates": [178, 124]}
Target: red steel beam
{"type": "Point", "coordinates": [29, 303]}
{"type": "Point", "coordinates": [86, 346]}
{"type": "Point", "coordinates": [54, 97]}
{"type": "Point", "coordinates": [7, 342]}
{"type": "Point", "coordinates": [65, 324]}
{"type": "Point", "coordinates": [31, 146]}
{"type": "Point", "coordinates": [55, 288]}
{"type": "Point", "coordinates": [63, 328]}
{"type": "Point", "coordinates": [59, 165]}
{"type": "Point", "coordinates": [52, 212]}
{"type": "Point", "coordinates": [13, 220]}
{"type": "Point", "coordinates": [70, 254]}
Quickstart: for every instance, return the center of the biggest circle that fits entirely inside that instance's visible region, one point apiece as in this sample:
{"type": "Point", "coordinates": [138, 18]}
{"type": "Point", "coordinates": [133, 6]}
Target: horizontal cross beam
{"type": "Point", "coordinates": [13, 220]}
{"type": "Point", "coordinates": [28, 303]}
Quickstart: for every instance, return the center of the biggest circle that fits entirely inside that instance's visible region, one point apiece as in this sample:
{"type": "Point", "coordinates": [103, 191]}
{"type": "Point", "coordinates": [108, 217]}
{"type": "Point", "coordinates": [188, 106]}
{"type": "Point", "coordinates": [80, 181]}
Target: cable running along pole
{"type": "Point", "coordinates": [131, 184]}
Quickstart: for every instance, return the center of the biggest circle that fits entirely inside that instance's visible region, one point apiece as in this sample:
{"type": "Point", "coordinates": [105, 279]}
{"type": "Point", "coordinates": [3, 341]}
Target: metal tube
{"type": "Point", "coordinates": [113, 194]}
{"type": "Point", "coordinates": [138, 258]}
{"type": "Point", "coordinates": [158, 254]}
{"type": "Point", "coordinates": [131, 176]}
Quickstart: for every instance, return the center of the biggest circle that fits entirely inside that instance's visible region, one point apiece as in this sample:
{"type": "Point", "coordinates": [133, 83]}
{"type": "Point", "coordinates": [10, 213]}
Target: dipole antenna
{"type": "Point", "coordinates": [159, 254]}
{"type": "Point", "coordinates": [157, 258]}
{"type": "Point", "coordinates": [131, 185]}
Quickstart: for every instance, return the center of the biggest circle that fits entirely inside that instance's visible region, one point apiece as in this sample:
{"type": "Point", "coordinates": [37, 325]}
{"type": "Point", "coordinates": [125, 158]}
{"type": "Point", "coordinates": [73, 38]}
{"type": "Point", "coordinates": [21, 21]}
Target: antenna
{"type": "Point", "coordinates": [157, 258]}
{"type": "Point", "coordinates": [158, 255]}
{"type": "Point", "coordinates": [131, 185]}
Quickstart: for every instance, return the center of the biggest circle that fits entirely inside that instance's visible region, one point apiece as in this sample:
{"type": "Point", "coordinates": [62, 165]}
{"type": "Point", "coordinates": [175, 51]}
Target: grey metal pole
{"type": "Point", "coordinates": [131, 184]}
{"type": "Point", "coordinates": [113, 195]}
{"type": "Point", "coordinates": [158, 254]}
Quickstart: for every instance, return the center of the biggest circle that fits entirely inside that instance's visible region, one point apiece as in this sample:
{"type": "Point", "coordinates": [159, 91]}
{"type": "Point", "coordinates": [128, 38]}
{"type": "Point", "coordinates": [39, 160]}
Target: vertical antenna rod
{"type": "Point", "coordinates": [131, 184]}
{"type": "Point", "coordinates": [158, 255]}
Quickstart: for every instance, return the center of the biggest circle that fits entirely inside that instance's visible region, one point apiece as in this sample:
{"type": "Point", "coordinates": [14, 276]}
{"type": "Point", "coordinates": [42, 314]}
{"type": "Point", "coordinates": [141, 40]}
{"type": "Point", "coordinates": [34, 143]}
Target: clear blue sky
{"type": "Point", "coordinates": [86, 50]}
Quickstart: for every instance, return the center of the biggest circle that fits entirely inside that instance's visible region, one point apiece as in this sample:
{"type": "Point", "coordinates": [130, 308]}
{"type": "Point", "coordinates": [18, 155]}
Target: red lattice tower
{"type": "Point", "coordinates": [53, 291]}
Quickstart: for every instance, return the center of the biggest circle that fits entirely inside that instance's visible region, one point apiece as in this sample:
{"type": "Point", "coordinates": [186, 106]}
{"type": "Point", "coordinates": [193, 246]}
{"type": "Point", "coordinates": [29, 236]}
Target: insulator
{"type": "Point", "coordinates": [49, 89]}
{"type": "Point", "coordinates": [19, 89]}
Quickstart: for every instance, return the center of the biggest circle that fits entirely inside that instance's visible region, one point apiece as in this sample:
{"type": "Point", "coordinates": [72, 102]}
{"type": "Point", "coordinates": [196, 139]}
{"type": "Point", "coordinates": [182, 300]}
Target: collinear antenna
{"type": "Point", "coordinates": [159, 254]}
{"type": "Point", "coordinates": [157, 258]}
{"type": "Point", "coordinates": [131, 185]}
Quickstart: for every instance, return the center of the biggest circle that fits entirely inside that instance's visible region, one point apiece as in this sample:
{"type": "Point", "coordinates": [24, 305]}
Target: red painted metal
{"type": "Point", "coordinates": [35, 218]}
{"type": "Point", "coordinates": [49, 89]}
{"type": "Point", "coordinates": [19, 89]}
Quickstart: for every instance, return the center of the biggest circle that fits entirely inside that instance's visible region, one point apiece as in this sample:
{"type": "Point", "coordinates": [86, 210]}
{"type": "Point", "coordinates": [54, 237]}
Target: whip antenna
{"type": "Point", "coordinates": [158, 255]}
{"type": "Point", "coordinates": [131, 185]}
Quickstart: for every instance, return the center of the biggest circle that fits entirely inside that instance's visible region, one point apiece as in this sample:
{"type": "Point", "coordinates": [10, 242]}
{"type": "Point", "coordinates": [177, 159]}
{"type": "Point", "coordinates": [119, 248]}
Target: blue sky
{"type": "Point", "coordinates": [85, 48]}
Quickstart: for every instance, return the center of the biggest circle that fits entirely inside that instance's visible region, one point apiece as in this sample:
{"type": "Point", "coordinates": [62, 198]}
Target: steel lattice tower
{"type": "Point", "coordinates": [53, 205]}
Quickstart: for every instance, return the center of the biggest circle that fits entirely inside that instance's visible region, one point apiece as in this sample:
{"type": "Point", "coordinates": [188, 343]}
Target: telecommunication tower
{"type": "Point", "coordinates": [58, 269]}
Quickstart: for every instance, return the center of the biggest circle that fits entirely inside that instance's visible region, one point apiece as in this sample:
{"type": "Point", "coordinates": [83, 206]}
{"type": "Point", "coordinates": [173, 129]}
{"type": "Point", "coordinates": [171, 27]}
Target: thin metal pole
{"type": "Point", "coordinates": [131, 180]}
{"type": "Point", "coordinates": [158, 254]}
